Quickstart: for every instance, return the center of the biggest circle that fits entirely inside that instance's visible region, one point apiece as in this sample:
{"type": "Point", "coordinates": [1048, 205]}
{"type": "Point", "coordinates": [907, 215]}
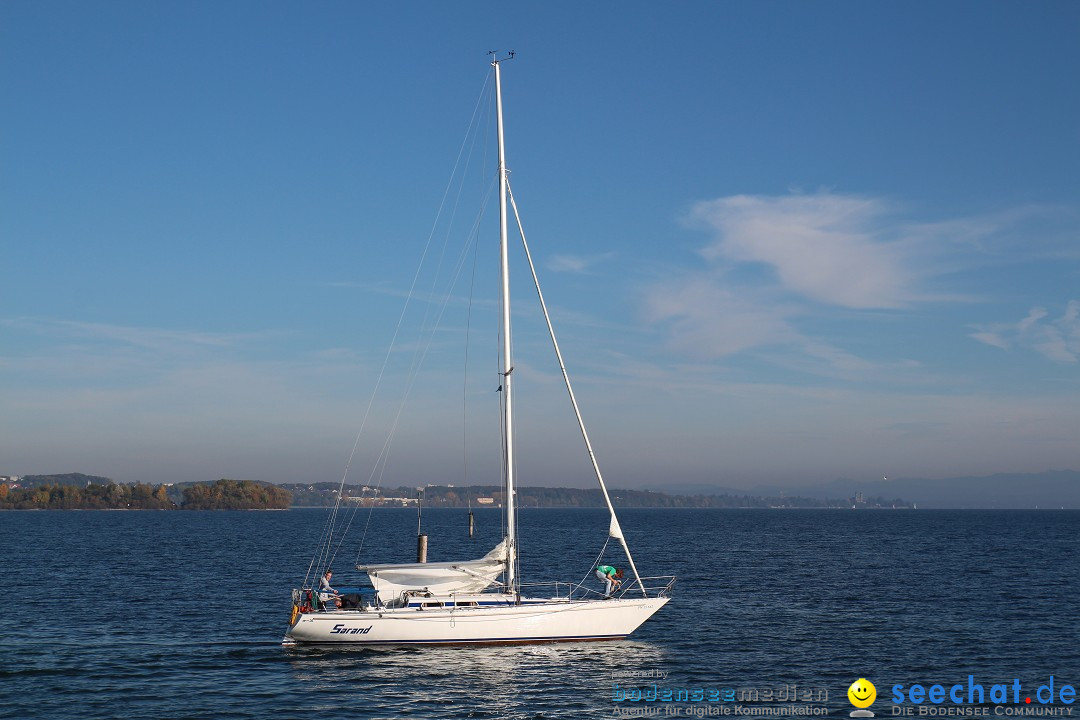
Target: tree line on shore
{"type": "Point", "coordinates": [221, 495]}
{"type": "Point", "coordinates": [326, 495]}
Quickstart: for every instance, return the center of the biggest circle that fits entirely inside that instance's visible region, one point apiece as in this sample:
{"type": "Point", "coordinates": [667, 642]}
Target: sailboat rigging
{"type": "Point", "coordinates": [483, 601]}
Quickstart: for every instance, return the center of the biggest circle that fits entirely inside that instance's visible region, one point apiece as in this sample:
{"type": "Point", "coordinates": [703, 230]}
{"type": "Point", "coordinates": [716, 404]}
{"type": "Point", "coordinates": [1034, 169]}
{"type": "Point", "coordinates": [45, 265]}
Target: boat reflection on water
{"type": "Point", "coordinates": [506, 681]}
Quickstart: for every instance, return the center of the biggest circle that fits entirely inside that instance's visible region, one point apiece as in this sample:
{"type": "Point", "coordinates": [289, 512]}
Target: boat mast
{"type": "Point", "coordinates": [507, 369]}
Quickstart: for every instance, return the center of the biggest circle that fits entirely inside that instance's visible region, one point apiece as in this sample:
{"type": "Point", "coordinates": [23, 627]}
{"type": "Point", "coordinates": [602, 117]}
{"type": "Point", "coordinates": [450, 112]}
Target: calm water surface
{"type": "Point", "coordinates": [180, 614]}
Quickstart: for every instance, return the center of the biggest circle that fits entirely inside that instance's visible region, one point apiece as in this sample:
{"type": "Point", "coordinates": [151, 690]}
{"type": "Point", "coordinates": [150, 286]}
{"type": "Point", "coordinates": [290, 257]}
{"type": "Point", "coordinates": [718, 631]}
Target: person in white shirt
{"type": "Point", "coordinates": [326, 592]}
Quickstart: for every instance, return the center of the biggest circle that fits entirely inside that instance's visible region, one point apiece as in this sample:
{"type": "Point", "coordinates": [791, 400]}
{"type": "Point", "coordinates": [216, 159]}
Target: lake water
{"type": "Point", "coordinates": [180, 614]}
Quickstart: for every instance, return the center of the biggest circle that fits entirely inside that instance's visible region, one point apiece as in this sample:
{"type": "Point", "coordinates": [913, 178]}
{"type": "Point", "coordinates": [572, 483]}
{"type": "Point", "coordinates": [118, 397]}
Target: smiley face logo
{"type": "Point", "coordinates": [862, 693]}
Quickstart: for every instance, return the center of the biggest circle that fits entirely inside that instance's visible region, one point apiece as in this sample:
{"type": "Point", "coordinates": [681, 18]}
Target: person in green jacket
{"type": "Point", "coordinates": [610, 576]}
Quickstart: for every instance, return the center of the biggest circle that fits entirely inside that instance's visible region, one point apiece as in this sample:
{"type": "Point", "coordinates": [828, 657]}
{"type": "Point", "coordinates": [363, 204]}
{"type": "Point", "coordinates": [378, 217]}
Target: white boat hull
{"type": "Point", "coordinates": [532, 622]}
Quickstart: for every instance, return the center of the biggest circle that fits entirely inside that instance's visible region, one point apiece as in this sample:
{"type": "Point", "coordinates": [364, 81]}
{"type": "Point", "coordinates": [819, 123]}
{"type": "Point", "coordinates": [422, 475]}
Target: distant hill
{"type": "Point", "coordinates": [1052, 489]}
{"type": "Point", "coordinates": [702, 488]}
{"type": "Point", "coordinates": [79, 479]}
{"type": "Point", "coordinates": [325, 494]}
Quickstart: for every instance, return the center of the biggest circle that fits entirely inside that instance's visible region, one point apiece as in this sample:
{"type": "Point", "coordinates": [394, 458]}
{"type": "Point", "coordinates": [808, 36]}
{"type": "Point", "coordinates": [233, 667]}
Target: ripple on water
{"type": "Point", "coordinates": [180, 615]}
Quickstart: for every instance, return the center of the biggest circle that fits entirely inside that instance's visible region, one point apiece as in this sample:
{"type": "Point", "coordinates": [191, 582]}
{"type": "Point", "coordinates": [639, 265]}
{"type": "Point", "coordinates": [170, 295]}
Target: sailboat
{"type": "Point", "coordinates": [483, 601]}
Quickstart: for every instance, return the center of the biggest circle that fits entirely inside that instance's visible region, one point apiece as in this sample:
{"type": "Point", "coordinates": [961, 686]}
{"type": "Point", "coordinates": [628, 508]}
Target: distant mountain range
{"type": "Point", "coordinates": [1048, 490]}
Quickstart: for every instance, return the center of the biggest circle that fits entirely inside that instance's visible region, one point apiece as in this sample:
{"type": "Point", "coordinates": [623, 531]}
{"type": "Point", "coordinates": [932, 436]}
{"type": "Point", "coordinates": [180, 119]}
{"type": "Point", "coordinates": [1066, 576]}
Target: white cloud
{"type": "Point", "coordinates": [774, 260]}
{"type": "Point", "coordinates": [709, 320]}
{"type": "Point", "coordinates": [155, 339]}
{"type": "Point", "coordinates": [826, 247]}
{"type": "Point", "coordinates": [774, 266]}
{"type": "Point", "coordinates": [1033, 317]}
{"type": "Point", "coordinates": [575, 263]}
{"type": "Point", "coordinates": [1058, 340]}
{"type": "Point", "coordinates": [991, 338]}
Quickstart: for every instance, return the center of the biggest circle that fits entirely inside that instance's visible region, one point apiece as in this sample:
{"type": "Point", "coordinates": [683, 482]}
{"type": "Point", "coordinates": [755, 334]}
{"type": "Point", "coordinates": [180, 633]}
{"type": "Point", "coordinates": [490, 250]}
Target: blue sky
{"type": "Point", "coordinates": [783, 242]}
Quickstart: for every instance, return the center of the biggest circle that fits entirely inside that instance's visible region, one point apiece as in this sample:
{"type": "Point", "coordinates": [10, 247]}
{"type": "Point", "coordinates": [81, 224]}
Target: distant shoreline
{"type": "Point", "coordinates": [2, 510]}
{"type": "Point", "coordinates": [624, 507]}
{"type": "Point", "coordinates": [75, 491]}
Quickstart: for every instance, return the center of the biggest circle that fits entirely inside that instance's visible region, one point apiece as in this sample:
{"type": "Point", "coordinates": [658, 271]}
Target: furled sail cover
{"type": "Point", "coordinates": [440, 578]}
